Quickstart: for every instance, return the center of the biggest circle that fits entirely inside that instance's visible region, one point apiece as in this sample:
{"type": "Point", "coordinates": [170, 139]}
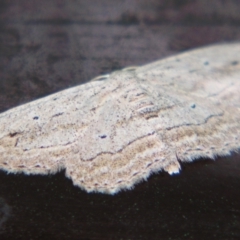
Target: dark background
{"type": "Point", "coordinates": [47, 46]}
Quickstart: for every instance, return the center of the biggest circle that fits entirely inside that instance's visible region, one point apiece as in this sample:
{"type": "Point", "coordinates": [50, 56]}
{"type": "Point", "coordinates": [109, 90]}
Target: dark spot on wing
{"type": "Point", "coordinates": [234, 63]}
{"type": "Point", "coordinates": [193, 105]}
{"type": "Point", "coordinates": [103, 136]}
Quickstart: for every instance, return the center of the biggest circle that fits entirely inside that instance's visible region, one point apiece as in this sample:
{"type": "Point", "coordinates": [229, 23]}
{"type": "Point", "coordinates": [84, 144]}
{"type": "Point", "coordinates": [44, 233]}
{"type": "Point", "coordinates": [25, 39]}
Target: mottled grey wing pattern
{"type": "Point", "coordinates": [202, 116]}
{"type": "Point", "coordinates": [111, 134]}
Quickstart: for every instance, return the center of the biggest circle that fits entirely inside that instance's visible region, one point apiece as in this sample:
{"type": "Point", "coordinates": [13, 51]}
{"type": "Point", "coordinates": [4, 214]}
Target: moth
{"type": "Point", "coordinates": [118, 129]}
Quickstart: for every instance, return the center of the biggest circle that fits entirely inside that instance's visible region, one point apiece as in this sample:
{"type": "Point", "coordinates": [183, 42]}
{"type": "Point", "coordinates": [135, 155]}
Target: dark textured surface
{"type": "Point", "coordinates": [46, 46]}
